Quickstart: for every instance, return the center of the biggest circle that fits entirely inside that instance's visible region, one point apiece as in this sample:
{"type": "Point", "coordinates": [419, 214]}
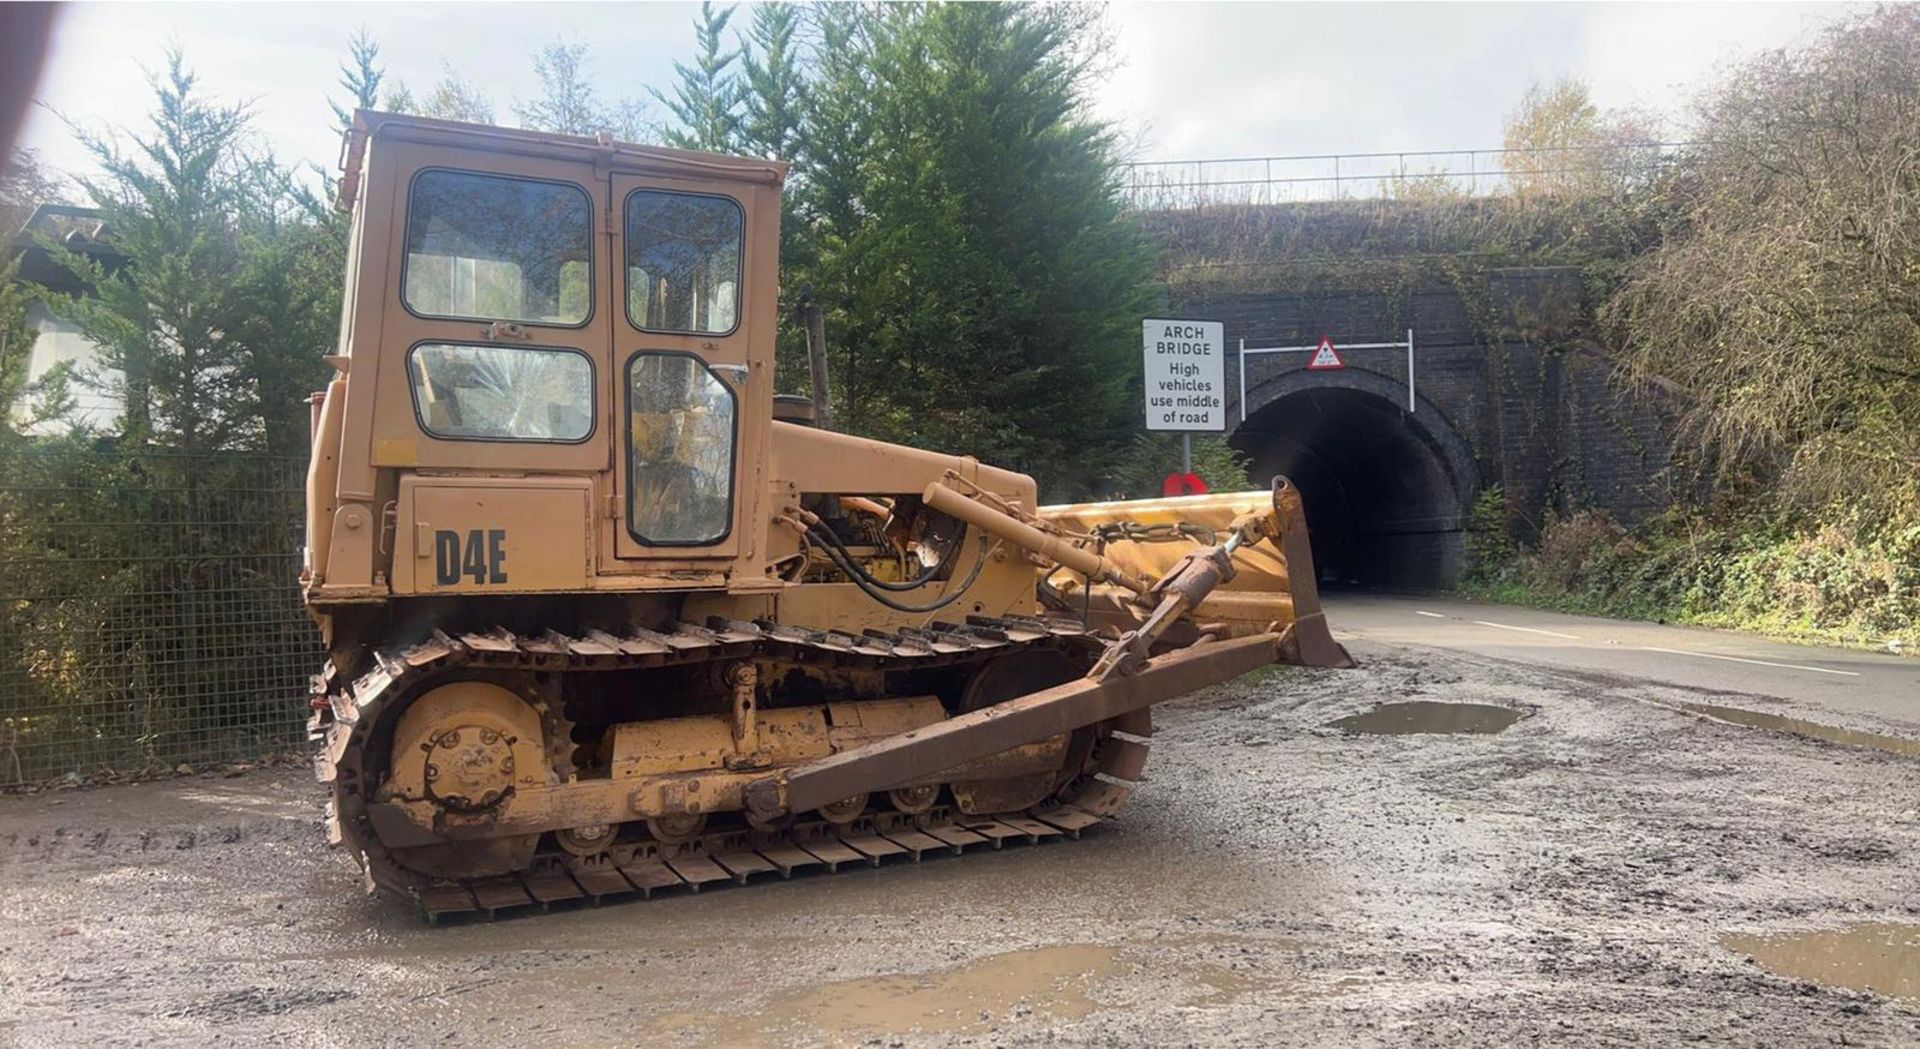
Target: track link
{"type": "Point", "coordinates": [347, 712]}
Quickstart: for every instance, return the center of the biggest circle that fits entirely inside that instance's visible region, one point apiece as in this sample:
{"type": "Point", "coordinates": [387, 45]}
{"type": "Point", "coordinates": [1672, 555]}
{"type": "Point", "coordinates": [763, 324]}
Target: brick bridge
{"type": "Point", "coordinates": [1389, 489]}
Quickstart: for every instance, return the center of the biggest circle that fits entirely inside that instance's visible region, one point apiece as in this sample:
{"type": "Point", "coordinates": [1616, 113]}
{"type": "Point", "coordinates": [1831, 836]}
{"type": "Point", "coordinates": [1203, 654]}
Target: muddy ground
{"type": "Point", "coordinates": [1568, 880]}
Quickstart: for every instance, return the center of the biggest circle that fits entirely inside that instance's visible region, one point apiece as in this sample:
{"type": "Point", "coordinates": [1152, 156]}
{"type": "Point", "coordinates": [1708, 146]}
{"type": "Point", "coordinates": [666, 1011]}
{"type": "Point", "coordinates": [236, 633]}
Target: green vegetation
{"type": "Point", "coordinates": [211, 334]}
{"type": "Point", "coordinates": [1849, 580]}
{"type": "Point", "coordinates": [960, 221]}
{"type": "Point", "coordinates": [1141, 468]}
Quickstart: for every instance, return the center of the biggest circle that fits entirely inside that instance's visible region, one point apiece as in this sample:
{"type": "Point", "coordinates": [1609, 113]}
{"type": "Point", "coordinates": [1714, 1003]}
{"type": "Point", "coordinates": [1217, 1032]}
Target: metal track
{"type": "Point", "coordinates": [346, 715]}
{"type": "Point", "coordinates": [739, 856]}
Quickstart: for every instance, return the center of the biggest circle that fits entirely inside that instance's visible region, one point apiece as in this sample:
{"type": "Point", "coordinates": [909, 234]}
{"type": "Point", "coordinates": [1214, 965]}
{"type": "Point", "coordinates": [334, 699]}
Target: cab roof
{"type": "Point", "coordinates": [602, 151]}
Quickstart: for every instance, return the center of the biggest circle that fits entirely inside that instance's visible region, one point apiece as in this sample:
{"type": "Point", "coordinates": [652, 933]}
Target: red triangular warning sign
{"type": "Point", "coordinates": [1325, 358]}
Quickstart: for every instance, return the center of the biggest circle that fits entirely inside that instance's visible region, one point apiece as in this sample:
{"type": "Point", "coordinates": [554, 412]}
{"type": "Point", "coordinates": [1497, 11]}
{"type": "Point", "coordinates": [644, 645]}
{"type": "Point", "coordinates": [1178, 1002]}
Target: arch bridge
{"type": "Point", "coordinates": [1390, 490]}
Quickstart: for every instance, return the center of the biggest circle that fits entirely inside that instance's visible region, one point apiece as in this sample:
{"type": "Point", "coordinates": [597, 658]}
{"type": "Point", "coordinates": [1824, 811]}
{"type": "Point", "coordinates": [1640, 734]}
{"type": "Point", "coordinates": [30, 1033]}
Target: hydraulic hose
{"type": "Point", "coordinates": [825, 537]}
{"type": "Point", "coordinates": [858, 577]}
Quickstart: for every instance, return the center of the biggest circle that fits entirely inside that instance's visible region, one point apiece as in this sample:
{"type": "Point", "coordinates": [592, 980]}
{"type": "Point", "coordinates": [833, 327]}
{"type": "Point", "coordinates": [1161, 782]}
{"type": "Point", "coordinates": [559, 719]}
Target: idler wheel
{"type": "Point", "coordinates": [467, 747]}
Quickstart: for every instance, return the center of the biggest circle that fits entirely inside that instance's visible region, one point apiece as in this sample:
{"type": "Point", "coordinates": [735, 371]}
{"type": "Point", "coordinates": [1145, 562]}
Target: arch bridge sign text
{"type": "Point", "coordinates": [1186, 375]}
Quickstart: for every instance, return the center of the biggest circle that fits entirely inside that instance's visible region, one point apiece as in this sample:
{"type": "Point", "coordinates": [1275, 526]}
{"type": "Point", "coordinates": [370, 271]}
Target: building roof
{"type": "Point", "coordinates": [79, 229]}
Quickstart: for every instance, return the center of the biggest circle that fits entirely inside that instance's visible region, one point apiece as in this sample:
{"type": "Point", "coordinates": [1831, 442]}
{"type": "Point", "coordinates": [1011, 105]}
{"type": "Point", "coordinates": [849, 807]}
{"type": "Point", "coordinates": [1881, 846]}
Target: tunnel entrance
{"type": "Point", "coordinates": [1386, 491]}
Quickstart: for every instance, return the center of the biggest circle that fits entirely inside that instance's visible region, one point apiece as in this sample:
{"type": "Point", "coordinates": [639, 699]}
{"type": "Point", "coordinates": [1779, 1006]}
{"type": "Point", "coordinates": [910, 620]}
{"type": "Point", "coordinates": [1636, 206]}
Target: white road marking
{"type": "Point", "coordinates": [1526, 629]}
{"type": "Point", "coordinates": [1755, 662]}
{"type": "Point", "coordinates": [1430, 615]}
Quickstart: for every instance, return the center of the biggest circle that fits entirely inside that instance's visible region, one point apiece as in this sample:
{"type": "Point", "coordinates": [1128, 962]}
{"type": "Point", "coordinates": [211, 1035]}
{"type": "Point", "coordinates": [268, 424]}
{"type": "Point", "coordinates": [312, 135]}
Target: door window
{"type": "Point", "coordinates": [683, 262]}
{"type": "Point", "coordinates": [680, 438]}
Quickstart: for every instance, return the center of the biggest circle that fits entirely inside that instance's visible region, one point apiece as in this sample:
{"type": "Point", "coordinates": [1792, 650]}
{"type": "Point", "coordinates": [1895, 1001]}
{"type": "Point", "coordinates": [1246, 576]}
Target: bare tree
{"type": "Point", "coordinates": [1782, 298]}
{"type": "Point", "coordinates": [452, 97]}
{"type": "Point", "coordinates": [568, 103]}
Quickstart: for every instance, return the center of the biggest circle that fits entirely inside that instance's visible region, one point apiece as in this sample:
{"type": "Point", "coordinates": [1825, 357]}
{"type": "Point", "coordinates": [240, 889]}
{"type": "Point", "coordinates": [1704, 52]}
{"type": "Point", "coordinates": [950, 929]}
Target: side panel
{"type": "Point", "coordinates": [492, 535]}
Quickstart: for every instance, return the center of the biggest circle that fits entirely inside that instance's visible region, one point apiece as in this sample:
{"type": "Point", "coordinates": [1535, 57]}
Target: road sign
{"type": "Point", "coordinates": [1325, 357]}
{"type": "Point", "coordinates": [1186, 373]}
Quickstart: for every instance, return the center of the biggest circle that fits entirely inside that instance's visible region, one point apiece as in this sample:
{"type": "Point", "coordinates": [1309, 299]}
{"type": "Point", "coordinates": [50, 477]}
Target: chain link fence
{"type": "Point", "coordinates": [149, 610]}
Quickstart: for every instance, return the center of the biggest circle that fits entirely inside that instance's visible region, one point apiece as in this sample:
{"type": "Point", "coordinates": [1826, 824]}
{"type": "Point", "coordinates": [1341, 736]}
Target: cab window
{"type": "Point", "coordinates": [487, 247]}
{"type": "Point", "coordinates": [501, 393]}
{"type": "Point", "coordinates": [680, 437]}
{"type": "Point", "coordinates": [683, 262]}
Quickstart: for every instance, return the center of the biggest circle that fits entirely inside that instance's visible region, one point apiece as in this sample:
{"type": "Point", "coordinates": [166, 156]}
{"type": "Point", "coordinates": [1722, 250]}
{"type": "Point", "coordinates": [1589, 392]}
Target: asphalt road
{"type": "Point", "coordinates": [1847, 686]}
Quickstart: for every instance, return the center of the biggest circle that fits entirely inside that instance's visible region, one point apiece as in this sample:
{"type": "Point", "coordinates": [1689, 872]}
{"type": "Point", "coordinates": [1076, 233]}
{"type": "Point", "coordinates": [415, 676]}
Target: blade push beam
{"type": "Point", "coordinates": [1076, 704]}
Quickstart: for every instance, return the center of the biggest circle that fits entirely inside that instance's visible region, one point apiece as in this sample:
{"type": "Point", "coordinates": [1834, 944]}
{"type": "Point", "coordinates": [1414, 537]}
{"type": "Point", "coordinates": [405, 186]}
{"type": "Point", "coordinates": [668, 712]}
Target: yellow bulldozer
{"type": "Point", "coordinates": [605, 616]}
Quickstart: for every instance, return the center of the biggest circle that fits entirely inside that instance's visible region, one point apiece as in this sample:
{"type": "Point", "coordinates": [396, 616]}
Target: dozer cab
{"type": "Point", "coordinates": [601, 618]}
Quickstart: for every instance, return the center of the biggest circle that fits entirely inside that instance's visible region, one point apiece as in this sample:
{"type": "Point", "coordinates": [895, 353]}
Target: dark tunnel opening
{"type": "Point", "coordinates": [1386, 493]}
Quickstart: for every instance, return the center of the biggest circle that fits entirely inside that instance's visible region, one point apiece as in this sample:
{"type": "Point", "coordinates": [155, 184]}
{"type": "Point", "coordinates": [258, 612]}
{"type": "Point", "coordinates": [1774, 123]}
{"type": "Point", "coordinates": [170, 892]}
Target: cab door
{"type": "Point", "coordinates": [680, 369]}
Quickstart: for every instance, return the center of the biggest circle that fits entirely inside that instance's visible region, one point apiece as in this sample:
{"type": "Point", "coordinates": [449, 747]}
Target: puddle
{"type": "Point", "coordinates": [1810, 729]}
{"type": "Point", "coordinates": [1883, 957]}
{"type": "Point", "coordinates": [1040, 985]}
{"type": "Point", "coordinates": [1047, 982]}
{"type": "Point", "coordinates": [1403, 719]}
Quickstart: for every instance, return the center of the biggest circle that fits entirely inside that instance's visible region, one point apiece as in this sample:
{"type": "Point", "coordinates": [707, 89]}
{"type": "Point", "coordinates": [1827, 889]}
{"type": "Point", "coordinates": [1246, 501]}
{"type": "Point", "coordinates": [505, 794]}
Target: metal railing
{"type": "Point", "coordinates": [1161, 184]}
{"type": "Point", "coordinates": [149, 610]}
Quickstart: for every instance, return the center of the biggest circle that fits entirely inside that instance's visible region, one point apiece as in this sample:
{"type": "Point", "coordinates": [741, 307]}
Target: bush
{"type": "Point", "coordinates": [1491, 551]}
{"type": "Point", "coordinates": [1585, 550]}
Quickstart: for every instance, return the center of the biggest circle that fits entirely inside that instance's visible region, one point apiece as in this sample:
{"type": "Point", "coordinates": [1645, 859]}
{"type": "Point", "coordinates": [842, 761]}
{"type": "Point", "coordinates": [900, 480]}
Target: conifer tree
{"type": "Point", "coordinates": [773, 80]}
{"type": "Point", "coordinates": [198, 361]}
{"type": "Point", "coordinates": [360, 75]}
{"type": "Point", "coordinates": [986, 284]}
{"type": "Point", "coordinates": [706, 102]}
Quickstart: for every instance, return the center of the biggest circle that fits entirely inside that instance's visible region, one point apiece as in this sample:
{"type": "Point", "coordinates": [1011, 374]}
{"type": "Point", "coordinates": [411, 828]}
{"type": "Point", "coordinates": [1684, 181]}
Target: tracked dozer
{"type": "Point", "coordinates": [604, 616]}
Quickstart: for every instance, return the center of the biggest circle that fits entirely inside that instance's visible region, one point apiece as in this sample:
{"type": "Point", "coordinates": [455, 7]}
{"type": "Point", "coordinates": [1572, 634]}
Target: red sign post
{"type": "Point", "coordinates": [1325, 358]}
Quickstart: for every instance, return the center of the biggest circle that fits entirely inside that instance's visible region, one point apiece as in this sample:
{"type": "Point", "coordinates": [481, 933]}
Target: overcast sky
{"type": "Point", "coordinates": [1190, 81]}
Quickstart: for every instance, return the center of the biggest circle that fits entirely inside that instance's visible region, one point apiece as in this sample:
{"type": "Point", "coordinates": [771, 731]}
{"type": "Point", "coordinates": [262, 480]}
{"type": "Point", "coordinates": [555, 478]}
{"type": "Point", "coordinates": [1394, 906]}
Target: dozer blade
{"type": "Point", "coordinates": [1274, 588]}
{"type": "Point", "coordinates": [899, 759]}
